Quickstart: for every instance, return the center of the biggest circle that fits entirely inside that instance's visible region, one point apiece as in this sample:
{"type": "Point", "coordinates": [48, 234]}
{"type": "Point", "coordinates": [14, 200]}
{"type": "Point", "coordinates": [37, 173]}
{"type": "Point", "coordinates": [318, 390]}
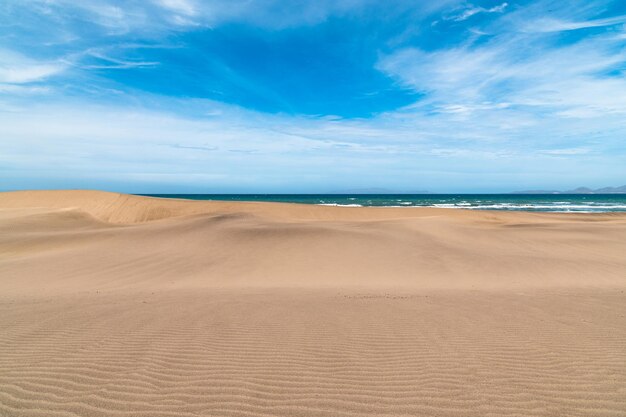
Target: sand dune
{"type": "Point", "coordinates": [118, 305]}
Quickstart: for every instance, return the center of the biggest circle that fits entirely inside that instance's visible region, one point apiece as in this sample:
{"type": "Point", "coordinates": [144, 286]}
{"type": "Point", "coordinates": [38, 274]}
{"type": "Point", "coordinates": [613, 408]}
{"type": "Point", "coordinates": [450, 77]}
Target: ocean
{"type": "Point", "coordinates": [569, 203]}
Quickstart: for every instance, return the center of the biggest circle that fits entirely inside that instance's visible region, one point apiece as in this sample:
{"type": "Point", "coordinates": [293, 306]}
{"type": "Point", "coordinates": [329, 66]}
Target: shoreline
{"type": "Point", "coordinates": [130, 208]}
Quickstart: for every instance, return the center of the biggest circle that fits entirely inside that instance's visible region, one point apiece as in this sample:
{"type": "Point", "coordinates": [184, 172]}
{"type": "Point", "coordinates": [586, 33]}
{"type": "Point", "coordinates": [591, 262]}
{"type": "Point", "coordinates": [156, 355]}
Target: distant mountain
{"type": "Point", "coordinates": [579, 190]}
{"type": "Point", "coordinates": [612, 190]}
{"type": "Point", "coordinates": [536, 192]}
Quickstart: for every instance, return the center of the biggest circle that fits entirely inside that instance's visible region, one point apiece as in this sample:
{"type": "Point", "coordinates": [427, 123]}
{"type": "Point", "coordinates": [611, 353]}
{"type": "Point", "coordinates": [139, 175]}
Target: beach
{"type": "Point", "coordinates": [122, 305]}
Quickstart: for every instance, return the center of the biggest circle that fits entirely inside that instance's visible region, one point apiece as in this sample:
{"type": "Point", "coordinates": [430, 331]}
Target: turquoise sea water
{"type": "Point", "coordinates": [575, 203]}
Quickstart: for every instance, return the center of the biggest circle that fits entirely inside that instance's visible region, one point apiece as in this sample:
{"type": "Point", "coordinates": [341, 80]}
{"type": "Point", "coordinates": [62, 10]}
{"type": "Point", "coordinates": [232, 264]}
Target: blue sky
{"type": "Point", "coordinates": [290, 96]}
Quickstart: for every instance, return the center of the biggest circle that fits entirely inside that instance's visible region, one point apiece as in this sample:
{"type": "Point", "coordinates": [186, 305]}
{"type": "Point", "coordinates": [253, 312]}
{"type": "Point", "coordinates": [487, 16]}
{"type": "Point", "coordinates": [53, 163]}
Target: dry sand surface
{"type": "Point", "coordinates": [117, 305]}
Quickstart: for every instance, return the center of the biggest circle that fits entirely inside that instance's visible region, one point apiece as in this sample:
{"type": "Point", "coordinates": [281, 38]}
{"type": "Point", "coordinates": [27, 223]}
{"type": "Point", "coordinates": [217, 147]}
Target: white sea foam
{"type": "Point", "coordinates": [340, 205]}
{"type": "Point", "coordinates": [560, 207]}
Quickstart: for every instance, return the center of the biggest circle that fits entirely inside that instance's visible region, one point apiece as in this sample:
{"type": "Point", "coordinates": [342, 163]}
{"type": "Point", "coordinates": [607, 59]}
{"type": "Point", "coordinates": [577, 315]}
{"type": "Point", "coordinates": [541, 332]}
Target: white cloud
{"type": "Point", "coordinates": [184, 7]}
{"type": "Point", "coordinates": [18, 69]}
{"type": "Point", "coordinates": [545, 25]}
{"type": "Point", "coordinates": [108, 62]}
{"type": "Point", "coordinates": [516, 71]}
{"type": "Point", "coordinates": [155, 17]}
{"type": "Point", "coordinates": [473, 10]}
{"type": "Point", "coordinates": [19, 74]}
{"type": "Point", "coordinates": [565, 151]}
{"type": "Point", "coordinates": [242, 150]}
{"type": "Point", "coordinates": [16, 89]}
{"type": "Point", "coordinates": [506, 105]}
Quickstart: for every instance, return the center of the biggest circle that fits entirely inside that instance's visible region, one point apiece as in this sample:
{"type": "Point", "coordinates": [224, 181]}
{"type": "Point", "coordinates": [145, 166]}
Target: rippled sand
{"type": "Point", "coordinates": [114, 305]}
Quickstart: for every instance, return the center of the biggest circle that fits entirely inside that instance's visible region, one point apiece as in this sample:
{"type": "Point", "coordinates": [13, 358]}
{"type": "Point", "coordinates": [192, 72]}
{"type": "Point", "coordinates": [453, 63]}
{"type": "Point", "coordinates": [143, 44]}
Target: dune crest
{"type": "Point", "coordinates": [197, 244]}
{"type": "Point", "coordinates": [117, 208]}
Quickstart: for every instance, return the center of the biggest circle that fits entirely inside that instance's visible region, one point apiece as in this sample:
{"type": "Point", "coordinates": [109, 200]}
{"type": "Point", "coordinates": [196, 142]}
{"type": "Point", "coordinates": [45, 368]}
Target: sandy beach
{"type": "Point", "coordinates": [120, 305]}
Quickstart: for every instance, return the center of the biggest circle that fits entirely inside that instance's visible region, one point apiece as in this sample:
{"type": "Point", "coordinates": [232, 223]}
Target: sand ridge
{"type": "Point", "coordinates": [77, 241]}
{"type": "Point", "coordinates": [119, 208]}
{"type": "Point", "coordinates": [117, 305]}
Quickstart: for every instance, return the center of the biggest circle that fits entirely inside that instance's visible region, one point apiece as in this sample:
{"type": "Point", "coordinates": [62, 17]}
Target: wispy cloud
{"type": "Point", "coordinates": [18, 69]}
{"type": "Point", "coordinates": [104, 61]}
{"type": "Point", "coordinates": [507, 99]}
{"type": "Point", "coordinates": [557, 25]}
{"type": "Point", "coordinates": [184, 7]}
{"type": "Point", "coordinates": [566, 151]}
{"type": "Point", "coordinates": [516, 71]}
{"type": "Point", "coordinates": [470, 11]}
